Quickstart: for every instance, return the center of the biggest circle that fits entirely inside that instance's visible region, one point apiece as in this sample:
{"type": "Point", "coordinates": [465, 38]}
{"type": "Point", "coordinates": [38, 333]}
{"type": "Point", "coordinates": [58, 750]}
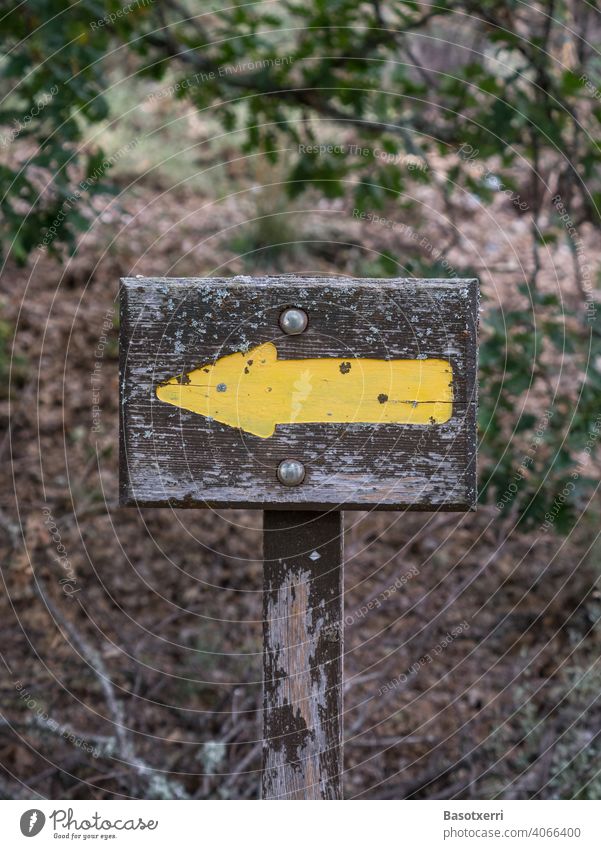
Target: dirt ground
{"type": "Point", "coordinates": [131, 639]}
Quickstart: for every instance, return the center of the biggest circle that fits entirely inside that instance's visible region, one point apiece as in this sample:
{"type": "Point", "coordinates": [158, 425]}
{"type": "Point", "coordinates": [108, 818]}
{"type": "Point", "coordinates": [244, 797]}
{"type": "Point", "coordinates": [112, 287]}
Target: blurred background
{"type": "Point", "coordinates": [342, 138]}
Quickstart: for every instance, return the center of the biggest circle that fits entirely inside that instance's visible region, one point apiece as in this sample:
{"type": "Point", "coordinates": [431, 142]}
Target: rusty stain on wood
{"type": "Point", "coordinates": [172, 456]}
{"type": "Point", "coordinates": [302, 612]}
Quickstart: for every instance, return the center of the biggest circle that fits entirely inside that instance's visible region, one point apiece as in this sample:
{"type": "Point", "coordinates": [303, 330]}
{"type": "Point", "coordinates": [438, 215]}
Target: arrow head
{"type": "Point", "coordinates": [234, 390]}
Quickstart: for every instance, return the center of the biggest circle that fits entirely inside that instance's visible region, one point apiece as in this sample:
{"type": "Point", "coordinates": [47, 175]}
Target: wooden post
{"type": "Point", "coordinates": [302, 655]}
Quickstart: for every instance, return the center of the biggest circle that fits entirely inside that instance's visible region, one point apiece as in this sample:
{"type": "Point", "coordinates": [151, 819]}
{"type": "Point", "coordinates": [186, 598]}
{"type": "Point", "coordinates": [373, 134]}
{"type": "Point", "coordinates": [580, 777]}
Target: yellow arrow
{"type": "Point", "coordinates": [256, 391]}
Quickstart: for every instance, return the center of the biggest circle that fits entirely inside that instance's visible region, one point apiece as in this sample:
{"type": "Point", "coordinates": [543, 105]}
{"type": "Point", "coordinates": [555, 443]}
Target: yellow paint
{"type": "Point", "coordinates": [256, 391]}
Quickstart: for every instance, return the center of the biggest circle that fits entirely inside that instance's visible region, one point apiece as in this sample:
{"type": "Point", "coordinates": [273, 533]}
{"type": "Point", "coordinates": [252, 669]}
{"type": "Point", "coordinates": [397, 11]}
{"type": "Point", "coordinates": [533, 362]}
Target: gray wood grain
{"type": "Point", "coordinates": [171, 456]}
{"type": "Point", "coordinates": [302, 654]}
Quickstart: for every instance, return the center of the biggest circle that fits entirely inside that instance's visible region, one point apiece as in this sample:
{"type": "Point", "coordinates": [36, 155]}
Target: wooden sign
{"type": "Point", "coordinates": [307, 396]}
{"type": "Point", "coordinates": [371, 395]}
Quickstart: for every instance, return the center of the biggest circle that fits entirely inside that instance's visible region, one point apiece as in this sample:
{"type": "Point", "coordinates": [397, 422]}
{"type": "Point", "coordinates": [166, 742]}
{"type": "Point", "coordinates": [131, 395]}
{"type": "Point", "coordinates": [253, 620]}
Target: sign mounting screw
{"type": "Point", "coordinates": [293, 321]}
{"type": "Point", "coordinates": [291, 472]}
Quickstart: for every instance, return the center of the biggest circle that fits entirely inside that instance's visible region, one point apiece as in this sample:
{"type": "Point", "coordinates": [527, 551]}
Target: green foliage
{"type": "Point", "coordinates": [537, 459]}
{"type": "Point", "coordinates": [347, 62]}
{"type": "Point", "coordinates": [54, 71]}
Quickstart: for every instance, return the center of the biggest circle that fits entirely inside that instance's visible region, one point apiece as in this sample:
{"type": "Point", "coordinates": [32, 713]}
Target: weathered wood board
{"type": "Point", "coordinates": [377, 397]}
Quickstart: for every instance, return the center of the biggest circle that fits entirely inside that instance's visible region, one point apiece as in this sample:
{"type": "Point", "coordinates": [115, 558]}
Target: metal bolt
{"type": "Point", "coordinates": [291, 472]}
{"type": "Point", "coordinates": [293, 321]}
